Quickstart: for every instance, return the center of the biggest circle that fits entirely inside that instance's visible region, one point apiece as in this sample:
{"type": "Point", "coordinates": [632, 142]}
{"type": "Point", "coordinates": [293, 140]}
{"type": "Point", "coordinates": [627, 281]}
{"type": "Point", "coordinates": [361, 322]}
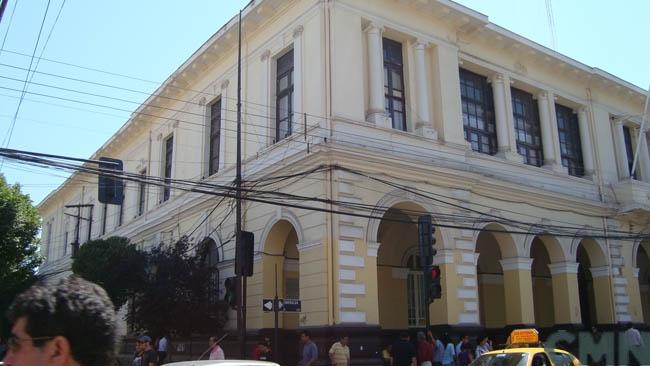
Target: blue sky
{"type": "Point", "coordinates": [149, 39]}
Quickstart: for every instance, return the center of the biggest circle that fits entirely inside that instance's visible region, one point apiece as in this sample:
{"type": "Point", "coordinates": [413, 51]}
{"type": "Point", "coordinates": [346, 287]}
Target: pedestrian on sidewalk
{"type": "Point", "coordinates": [340, 352]}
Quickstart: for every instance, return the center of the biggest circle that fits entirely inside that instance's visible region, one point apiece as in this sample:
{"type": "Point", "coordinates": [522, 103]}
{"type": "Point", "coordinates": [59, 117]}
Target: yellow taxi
{"type": "Point", "coordinates": [524, 349]}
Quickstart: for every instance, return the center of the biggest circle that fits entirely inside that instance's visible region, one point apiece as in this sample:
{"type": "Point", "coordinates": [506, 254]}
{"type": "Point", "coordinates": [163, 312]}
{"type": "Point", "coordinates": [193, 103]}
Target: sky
{"type": "Point", "coordinates": [147, 40]}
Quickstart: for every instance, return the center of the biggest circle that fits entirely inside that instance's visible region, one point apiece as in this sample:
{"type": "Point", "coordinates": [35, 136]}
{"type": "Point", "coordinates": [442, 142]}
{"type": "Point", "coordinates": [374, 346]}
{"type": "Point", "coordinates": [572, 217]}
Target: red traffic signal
{"type": "Point", "coordinates": [435, 273]}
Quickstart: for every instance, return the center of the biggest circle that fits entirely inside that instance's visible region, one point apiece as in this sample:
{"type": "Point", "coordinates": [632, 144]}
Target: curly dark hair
{"type": "Point", "coordinates": [73, 308]}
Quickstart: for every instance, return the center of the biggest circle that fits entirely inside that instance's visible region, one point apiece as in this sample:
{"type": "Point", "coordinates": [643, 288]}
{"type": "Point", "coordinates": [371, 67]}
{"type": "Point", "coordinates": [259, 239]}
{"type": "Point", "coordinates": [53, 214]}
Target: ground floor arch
{"type": "Point", "coordinates": [594, 284]}
{"type": "Point", "coordinates": [281, 270]}
{"type": "Point", "coordinates": [542, 282]}
{"type": "Point", "coordinates": [643, 268]}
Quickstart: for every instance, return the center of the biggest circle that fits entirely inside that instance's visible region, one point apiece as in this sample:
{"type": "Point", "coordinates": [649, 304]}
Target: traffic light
{"type": "Point", "coordinates": [425, 241]}
{"type": "Point", "coordinates": [110, 189]}
{"type": "Point", "coordinates": [435, 288]}
{"type": "Point", "coordinates": [244, 254]}
{"type": "Point", "coordinates": [231, 292]}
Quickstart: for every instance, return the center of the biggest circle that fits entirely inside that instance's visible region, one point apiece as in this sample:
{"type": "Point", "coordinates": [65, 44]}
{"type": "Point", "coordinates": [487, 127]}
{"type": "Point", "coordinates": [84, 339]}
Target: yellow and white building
{"type": "Point", "coordinates": [521, 154]}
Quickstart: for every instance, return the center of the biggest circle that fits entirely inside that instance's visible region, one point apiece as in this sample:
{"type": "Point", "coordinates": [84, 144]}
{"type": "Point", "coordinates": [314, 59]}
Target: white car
{"type": "Point", "coordinates": [223, 363]}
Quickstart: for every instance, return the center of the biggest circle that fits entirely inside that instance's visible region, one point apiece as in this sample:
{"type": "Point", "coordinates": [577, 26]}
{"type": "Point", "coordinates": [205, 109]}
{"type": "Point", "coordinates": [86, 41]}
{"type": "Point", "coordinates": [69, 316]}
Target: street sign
{"type": "Point", "coordinates": [267, 305]}
{"type": "Point", "coordinates": [292, 305]}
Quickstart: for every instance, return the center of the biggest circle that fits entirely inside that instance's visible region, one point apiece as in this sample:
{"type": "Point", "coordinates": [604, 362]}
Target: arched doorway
{"type": "Point", "coordinates": [399, 274]}
{"type": "Point", "coordinates": [542, 284]}
{"type": "Point", "coordinates": [281, 271]}
{"type": "Point", "coordinates": [491, 289]}
{"type": "Point", "coordinates": [643, 264]}
{"type": "Point", "coordinates": [586, 289]}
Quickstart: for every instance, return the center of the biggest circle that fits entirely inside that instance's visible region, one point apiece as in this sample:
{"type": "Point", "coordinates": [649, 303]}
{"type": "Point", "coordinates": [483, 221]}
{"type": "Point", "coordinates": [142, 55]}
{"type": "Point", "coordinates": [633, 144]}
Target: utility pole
{"type": "Point", "coordinates": [241, 311]}
{"type": "Point", "coordinates": [75, 244]}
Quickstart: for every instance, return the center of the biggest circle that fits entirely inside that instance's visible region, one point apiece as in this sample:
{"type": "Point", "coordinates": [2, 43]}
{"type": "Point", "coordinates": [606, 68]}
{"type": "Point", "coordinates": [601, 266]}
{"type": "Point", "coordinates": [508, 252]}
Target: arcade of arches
{"type": "Point", "coordinates": [493, 277]}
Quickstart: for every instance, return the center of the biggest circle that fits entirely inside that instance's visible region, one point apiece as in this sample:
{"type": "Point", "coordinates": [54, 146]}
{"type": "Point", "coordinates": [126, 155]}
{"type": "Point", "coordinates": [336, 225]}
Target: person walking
{"type": "Point", "coordinates": [463, 339]}
{"type": "Point", "coordinates": [309, 350]}
{"type": "Point", "coordinates": [465, 357]}
{"type": "Point", "coordinates": [483, 346]}
{"type": "Point", "coordinates": [70, 323]}
{"type": "Point", "coordinates": [216, 352]}
{"type": "Point", "coordinates": [137, 355]}
{"type": "Point", "coordinates": [340, 352]}
{"type": "Point", "coordinates": [438, 349]}
{"type": "Point", "coordinates": [424, 350]}
{"type": "Point", "coordinates": [403, 352]}
{"type": "Point", "coordinates": [449, 355]}
{"type": "Point", "coordinates": [149, 355]}
{"type": "Point", "coordinates": [162, 349]}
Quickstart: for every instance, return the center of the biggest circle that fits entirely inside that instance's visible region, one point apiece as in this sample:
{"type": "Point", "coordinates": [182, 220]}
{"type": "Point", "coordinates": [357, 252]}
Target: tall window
{"type": "Point", "coordinates": [570, 145]}
{"type": "Point", "coordinates": [284, 98]}
{"type": "Point", "coordinates": [415, 294]}
{"type": "Point", "coordinates": [629, 151]}
{"type": "Point", "coordinates": [394, 83]}
{"type": "Point", "coordinates": [142, 191]}
{"type": "Point", "coordinates": [478, 112]}
{"type": "Point", "coordinates": [169, 149]}
{"type": "Point", "coordinates": [529, 137]}
{"type": "Point", "coordinates": [104, 217]}
{"type": "Point", "coordinates": [215, 136]}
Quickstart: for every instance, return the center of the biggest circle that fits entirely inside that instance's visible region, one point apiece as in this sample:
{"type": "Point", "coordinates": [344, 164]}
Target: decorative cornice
{"type": "Point", "coordinates": [602, 271]}
{"type": "Point", "coordinates": [373, 248]}
{"type": "Point", "coordinates": [265, 55]}
{"type": "Point", "coordinates": [297, 32]}
{"type": "Point", "coordinates": [373, 27]}
{"type": "Point", "coordinates": [517, 263]}
{"type": "Point", "coordinates": [225, 83]}
{"type": "Point", "coordinates": [563, 268]}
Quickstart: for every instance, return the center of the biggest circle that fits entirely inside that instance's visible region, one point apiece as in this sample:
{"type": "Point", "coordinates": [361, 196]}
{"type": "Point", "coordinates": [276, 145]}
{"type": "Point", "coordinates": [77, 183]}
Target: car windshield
{"type": "Point", "coordinates": [502, 359]}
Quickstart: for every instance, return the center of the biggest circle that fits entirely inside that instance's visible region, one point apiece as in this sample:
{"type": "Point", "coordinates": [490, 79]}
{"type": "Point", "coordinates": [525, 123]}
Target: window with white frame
{"type": "Point", "coordinates": [167, 167]}
{"type": "Point", "coordinates": [570, 144]}
{"type": "Point", "coordinates": [629, 150]}
{"type": "Point", "coordinates": [527, 128]}
{"type": "Point", "coordinates": [478, 112]}
{"type": "Point", "coordinates": [394, 83]}
{"type": "Point", "coordinates": [284, 96]}
{"type": "Point", "coordinates": [215, 136]}
{"type": "Point", "coordinates": [142, 192]}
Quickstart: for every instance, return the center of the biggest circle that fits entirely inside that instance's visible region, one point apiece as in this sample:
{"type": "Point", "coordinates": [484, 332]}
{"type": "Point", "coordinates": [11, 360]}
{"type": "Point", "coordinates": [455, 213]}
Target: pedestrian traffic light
{"type": "Point", "coordinates": [110, 187]}
{"type": "Point", "coordinates": [231, 292]}
{"type": "Point", "coordinates": [244, 254]}
{"type": "Point", "coordinates": [435, 288]}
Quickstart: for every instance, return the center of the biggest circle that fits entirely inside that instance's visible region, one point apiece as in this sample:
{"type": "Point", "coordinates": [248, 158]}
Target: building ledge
{"type": "Point", "coordinates": [633, 197]}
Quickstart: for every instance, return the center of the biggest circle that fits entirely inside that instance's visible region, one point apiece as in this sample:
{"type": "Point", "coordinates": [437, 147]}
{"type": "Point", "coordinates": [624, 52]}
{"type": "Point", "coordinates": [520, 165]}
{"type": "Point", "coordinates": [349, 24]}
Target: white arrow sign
{"type": "Point", "coordinates": [267, 305]}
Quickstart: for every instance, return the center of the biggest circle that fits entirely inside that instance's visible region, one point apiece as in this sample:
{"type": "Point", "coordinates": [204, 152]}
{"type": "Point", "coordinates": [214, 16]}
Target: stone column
{"type": "Point", "coordinates": [518, 285]}
{"type": "Point", "coordinates": [376, 112]}
{"type": "Point", "coordinates": [585, 143]}
{"type": "Point", "coordinates": [297, 107]}
{"type": "Point", "coordinates": [446, 309]}
{"type": "Point", "coordinates": [566, 298]}
{"type": "Point", "coordinates": [423, 124]}
{"type": "Point", "coordinates": [507, 148]}
{"type": "Point", "coordinates": [603, 294]}
{"type": "Point", "coordinates": [546, 126]}
{"type": "Point", "coordinates": [644, 159]}
{"type": "Point", "coordinates": [621, 155]}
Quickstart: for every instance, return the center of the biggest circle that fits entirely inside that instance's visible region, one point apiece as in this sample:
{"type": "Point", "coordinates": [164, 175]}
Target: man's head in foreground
{"type": "Point", "coordinates": [68, 323]}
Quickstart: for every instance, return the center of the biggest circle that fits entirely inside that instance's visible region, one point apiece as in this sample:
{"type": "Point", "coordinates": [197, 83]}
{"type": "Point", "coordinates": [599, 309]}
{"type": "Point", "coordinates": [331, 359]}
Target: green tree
{"type": "Point", "coordinates": [19, 257]}
{"type": "Point", "coordinates": [113, 263]}
{"type": "Point", "coordinates": [180, 293]}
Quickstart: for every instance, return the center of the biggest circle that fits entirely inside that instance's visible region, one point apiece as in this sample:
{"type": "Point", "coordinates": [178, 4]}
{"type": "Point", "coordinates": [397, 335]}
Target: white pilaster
{"type": "Point", "coordinates": [506, 148]}
{"type": "Point", "coordinates": [297, 79]}
{"type": "Point", "coordinates": [621, 155]}
{"type": "Point", "coordinates": [550, 159]}
{"type": "Point", "coordinates": [516, 263]}
{"type": "Point", "coordinates": [585, 142]}
{"type": "Point", "coordinates": [563, 267]}
{"type": "Point", "coordinates": [423, 124]}
{"type": "Point", "coordinates": [376, 112]}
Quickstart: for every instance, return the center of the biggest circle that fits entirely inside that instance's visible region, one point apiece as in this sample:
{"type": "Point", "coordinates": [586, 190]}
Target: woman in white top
{"type": "Point", "coordinates": [483, 346]}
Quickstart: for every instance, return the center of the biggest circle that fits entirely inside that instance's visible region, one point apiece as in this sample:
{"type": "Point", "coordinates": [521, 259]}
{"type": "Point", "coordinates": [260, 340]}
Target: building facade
{"type": "Point", "coordinates": [358, 117]}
